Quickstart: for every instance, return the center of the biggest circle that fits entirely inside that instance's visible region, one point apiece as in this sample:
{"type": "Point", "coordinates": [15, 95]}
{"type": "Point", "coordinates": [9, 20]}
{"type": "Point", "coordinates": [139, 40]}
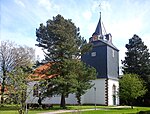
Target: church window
{"type": "Point", "coordinates": [35, 90]}
{"type": "Point", "coordinates": [114, 90]}
{"type": "Point", "coordinates": [114, 94]}
{"type": "Point", "coordinates": [93, 54]}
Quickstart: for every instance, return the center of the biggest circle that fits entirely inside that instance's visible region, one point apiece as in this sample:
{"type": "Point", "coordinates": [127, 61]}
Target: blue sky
{"type": "Point", "coordinates": [122, 18]}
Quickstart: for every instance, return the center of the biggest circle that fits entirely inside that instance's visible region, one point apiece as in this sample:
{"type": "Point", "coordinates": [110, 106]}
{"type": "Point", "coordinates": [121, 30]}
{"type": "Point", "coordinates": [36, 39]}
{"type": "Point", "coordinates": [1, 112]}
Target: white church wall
{"type": "Point", "coordinates": [71, 99]}
{"type": "Point", "coordinates": [30, 97]}
{"type": "Point", "coordinates": [95, 96]}
{"type": "Point", "coordinates": [92, 96]}
{"type": "Point", "coordinates": [112, 83]}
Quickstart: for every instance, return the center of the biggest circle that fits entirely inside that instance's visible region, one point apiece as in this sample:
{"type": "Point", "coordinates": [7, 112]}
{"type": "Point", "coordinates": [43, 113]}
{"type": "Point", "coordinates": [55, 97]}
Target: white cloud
{"type": "Point", "coordinates": [124, 29]}
{"type": "Point", "coordinates": [105, 5]}
{"type": "Point", "coordinates": [20, 3]}
{"type": "Point", "coordinates": [94, 6]}
{"type": "Point", "coordinates": [87, 15]}
{"type": "Point", "coordinates": [45, 4]}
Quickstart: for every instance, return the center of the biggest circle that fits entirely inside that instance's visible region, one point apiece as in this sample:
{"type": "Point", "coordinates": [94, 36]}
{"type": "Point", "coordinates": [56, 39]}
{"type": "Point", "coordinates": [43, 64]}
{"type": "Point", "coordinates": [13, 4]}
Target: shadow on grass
{"type": "Point", "coordinates": [8, 107]}
{"type": "Point", "coordinates": [144, 112]}
{"type": "Point", "coordinates": [118, 108]}
{"type": "Point", "coordinates": [129, 109]}
{"type": "Point", "coordinates": [15, 107]}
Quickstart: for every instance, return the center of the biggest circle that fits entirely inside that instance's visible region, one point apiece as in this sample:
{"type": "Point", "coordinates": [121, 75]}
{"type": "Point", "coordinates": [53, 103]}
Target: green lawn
{"type": "Point", "coordinates": [111, 110]}
{"type": "Point", "coordinates": [11, 109]}
{"type": "Point", "coordinates": [30, 111]}
{"type": "Point", "coordinates": [15, 112]}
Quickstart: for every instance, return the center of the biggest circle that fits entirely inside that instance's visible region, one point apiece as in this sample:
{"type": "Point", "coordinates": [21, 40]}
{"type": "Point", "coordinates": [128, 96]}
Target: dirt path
{"type": "Point", "coordinates": [64, 111]}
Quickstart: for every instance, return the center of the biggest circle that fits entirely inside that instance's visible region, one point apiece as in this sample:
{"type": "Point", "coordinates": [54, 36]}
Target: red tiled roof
{"type": "Point", "coordinates": [42, 72]}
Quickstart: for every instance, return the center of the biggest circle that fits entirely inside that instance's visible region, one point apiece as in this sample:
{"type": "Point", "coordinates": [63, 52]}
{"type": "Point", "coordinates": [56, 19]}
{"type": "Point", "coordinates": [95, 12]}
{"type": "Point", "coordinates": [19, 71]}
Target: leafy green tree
{"type": "Point", "coordinates": [131, 87]}
{"type": "Point", "coordinates": [62, 43]}
{"type": "Point", "coordinates": [137, 61]}
{"type": "Point", "coordinates": [18, 87]}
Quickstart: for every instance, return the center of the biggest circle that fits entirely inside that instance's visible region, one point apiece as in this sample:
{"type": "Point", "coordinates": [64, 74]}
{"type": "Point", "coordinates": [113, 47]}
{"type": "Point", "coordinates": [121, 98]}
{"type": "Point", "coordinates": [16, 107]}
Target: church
{"type": "Point", "coordinates": [104, 57]}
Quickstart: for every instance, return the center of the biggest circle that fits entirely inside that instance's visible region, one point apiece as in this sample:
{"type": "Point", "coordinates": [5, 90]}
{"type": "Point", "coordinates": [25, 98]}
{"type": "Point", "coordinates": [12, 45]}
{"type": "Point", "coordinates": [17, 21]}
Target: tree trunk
{"type": "Point", "coordinates": [78, 99]}
{"type": "Point", "coordinates": [63, 103]}
{"type": "Point", "coordinates": [3, 86]}
{"type": "Point", "coordinates": [131, 105]}
{"type": "Point", "coordinates": [22, 108]}
{"type": "Point", "coordinates": [2, 92]}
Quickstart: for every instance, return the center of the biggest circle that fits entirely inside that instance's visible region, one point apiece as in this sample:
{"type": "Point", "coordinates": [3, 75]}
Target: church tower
{"type": "Point", "coordinates": [104, 57]}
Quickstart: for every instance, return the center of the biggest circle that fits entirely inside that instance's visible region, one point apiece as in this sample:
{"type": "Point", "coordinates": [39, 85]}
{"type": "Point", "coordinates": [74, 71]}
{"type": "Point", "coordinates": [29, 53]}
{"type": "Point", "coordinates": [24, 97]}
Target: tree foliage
{"type": "Point", "coordinates": [18, 87]}
{"type": "Point", "coordinates": [60, 39]}
{"type": "Point", "coordinates": [78, 77]}
{"type": "Point", "coordinates": [63, 45]}
{"type": "Point", "coordinates": [11, 57]}
{"type": "Point", "coordinates": [131, 87]}
{"type": "Point", "coordinates": [137, 58]}
{"type": "Point", "coordinates": [137, 61]}
{"type": "Point", "coordinates": [85, 74]}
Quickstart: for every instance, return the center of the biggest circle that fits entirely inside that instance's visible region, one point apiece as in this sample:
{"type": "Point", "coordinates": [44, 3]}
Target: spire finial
{"type": "Point", "coordinates": [100, 8]}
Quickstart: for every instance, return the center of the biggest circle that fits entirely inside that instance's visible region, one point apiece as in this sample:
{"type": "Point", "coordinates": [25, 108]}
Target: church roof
{"type": "Point", "coordinates": [98, 30]}
{"type": "Point", "coordinates": [42, 72]}
{"type": "Point", "coordinates": [99, 36]}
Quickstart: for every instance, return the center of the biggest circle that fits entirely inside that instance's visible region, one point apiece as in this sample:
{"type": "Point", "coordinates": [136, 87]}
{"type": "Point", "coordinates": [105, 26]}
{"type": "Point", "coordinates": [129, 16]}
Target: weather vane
{"type": "Point", "coordinates": [100, 8]}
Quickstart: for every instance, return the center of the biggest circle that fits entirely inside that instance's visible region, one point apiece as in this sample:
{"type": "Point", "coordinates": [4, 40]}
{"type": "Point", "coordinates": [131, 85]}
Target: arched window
{"type": "Point", "coordinates": [114, 94]}
{"type": "Point", "coordinates": [35, 90]}
{"type": "Point", "coordinates": [114, 90]}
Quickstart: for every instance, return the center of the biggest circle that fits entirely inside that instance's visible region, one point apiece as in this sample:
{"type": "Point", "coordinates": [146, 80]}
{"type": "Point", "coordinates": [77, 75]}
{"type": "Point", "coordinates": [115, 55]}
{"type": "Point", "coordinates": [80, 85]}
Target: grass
{"type": "Point", "coordinates": [16, 112]}
{"type": "Point", "coordinates": [12, 109]}
{"type": "Point", "coordinates": [111, 110]}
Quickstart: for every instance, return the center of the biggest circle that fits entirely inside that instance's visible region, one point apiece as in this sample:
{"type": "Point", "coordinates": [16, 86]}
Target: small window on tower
{"type": "Point", "coordinates": [93, 54]}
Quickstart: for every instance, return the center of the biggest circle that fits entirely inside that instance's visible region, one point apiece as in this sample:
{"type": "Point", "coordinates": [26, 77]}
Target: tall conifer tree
{"type": "Point", "coordinates": [62, 44]}
{"type": "Point", "coordinates": [137, 60]}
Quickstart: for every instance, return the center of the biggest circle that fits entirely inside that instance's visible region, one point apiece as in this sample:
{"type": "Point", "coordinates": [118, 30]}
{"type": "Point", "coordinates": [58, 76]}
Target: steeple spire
{"type": "Point", "coordinates": [98, 30]}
